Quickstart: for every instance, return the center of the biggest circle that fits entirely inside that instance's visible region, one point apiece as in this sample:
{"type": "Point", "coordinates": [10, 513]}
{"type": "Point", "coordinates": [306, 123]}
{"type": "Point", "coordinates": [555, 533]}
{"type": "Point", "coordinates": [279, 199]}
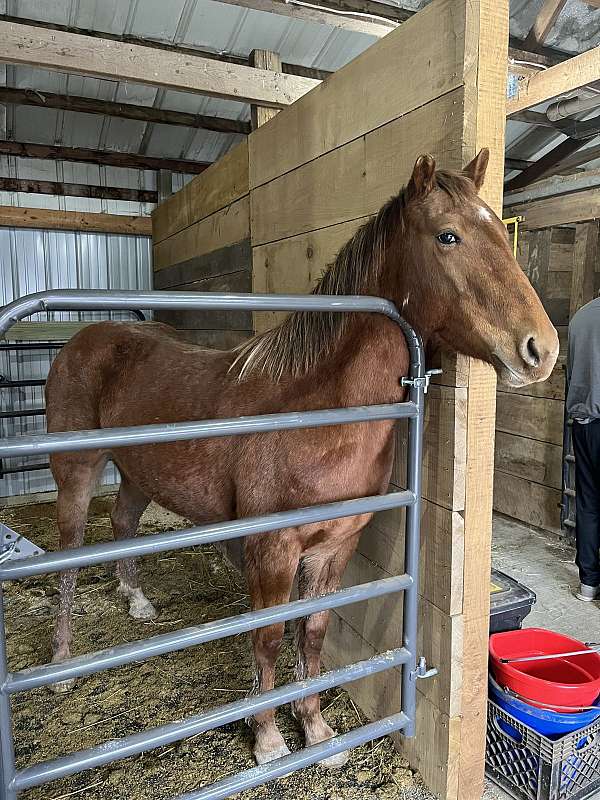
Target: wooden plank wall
{"type": "Point", "coordinates": [201, 243]}
{"type": "Point", "coordinates": [316, 171]}
{"type": "Point", "coordinates": [308, 193]}
{"type": "Point", "coordinates": [561, 263]}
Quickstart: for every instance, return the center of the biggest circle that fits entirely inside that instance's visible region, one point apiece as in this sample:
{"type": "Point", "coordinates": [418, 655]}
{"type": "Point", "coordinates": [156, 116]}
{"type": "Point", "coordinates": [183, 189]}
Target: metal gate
{"type": "Point", "coordinates": [14, 566]}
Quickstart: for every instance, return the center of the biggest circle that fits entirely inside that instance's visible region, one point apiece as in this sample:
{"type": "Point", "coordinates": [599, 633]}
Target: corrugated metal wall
{"type": "Point", "coordinates": [33, 260]}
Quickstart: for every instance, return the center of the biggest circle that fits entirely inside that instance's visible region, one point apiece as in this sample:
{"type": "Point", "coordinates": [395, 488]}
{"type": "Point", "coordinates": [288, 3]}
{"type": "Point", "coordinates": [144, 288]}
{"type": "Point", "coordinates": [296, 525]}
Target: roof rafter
{"type": "Point", "coordinates": [115, 60]}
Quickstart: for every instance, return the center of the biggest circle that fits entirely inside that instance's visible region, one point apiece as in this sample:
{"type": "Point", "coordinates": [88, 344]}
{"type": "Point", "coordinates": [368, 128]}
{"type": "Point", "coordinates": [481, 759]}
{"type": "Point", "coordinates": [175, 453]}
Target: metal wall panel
{"type": "Point", "coordinates": [33, 260]}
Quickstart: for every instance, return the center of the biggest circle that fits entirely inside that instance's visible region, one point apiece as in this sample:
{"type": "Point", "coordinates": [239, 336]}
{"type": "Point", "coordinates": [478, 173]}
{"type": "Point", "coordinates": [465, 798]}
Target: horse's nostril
{"type": "Point", "coordinates": [533, 354]}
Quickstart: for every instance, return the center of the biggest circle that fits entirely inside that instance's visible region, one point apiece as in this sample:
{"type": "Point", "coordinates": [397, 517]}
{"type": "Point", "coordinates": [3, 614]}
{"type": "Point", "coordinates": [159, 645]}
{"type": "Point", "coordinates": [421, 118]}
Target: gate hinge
{"type": "Point", "coordinates": [422, 382]}
{"type": "Point", "coordinates": [421, 671]}
{"type": "Point", "coordinates": [14, 546]}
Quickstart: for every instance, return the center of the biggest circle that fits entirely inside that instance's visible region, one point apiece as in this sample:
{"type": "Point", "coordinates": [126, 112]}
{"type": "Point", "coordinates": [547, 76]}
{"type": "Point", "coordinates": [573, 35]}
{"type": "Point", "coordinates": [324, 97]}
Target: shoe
{"type": "Point", "coordinates": [587, 593]}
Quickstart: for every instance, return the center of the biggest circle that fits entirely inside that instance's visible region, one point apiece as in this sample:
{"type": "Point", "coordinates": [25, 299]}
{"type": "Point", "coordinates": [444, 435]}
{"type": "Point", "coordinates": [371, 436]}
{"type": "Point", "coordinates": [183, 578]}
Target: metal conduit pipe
{"type": "Point", "coordinates": [568, 106]}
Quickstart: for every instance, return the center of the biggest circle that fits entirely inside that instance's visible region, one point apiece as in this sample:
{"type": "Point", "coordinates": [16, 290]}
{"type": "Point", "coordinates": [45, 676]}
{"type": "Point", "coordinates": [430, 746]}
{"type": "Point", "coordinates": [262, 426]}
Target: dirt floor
{"type": "Point", "coordinates": [187, 587]}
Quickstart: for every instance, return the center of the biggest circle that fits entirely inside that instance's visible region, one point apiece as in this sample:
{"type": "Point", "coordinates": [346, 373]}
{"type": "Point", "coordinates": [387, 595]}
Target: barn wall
{"type": "Point", "coordinates": [315, 172]}
{"type": "Point", "coordinates": [34, 260]}
{"type": "Point", "coordinates": [561, 261]}
{"type": "Point", "coordinates": [201, 242]}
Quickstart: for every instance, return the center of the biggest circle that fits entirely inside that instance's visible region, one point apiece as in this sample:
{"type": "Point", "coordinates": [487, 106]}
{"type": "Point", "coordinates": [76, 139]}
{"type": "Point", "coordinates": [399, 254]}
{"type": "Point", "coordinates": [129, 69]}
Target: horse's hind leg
{"type": "Point", "coordinates": [76, 478]}
{"type": "Point", "coordinates": [125, 518]}
{"type": "Point", "coordinates": [319, 574]}
{"type": "Point", "coordinates": [272, 561]}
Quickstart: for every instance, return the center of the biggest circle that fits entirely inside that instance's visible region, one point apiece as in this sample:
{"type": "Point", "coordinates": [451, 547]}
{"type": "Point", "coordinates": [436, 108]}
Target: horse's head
{"type": "Point", "coordinates": [467, 290]}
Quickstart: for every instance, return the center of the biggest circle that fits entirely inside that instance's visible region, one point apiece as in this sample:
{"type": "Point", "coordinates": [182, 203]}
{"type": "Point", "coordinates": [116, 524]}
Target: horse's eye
{"type": "Point", "coordinates": [447, 238]}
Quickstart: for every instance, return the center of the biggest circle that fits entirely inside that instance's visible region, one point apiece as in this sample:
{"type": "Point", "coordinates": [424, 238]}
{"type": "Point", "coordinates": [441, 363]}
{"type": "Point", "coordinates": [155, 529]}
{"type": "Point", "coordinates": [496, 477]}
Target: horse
{"type": "Point", "coordinates": [443, 257]}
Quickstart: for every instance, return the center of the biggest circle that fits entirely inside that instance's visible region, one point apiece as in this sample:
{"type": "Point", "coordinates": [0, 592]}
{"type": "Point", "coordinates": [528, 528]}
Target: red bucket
{"type": "Point", "coordinates": [569, 681]}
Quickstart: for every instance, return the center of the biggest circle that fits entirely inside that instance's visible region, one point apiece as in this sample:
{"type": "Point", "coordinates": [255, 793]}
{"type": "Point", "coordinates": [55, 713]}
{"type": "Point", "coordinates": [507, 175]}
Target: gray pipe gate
{"type": "Point", "coordinates": [13, 781]}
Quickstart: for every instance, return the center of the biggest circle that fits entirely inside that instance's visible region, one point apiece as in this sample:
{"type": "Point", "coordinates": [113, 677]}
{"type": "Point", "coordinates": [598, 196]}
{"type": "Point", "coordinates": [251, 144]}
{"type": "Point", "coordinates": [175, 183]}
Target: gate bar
{"type": "Point", "coordinates": [91, 555]}
{"type": "Point", "coordinates": [120, 655]}
{"type": "Point", "coordinates": [164, 735]}
{"type": "Point", "coordinates": [204, 429]}
{"type": "Point", "coordinates": [302, 758]}
{"type": "Point", "coordinates": [100, 300]}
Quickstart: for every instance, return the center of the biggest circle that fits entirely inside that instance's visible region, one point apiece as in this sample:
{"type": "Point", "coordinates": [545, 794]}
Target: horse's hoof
{"type": "Point", "coordinates": [139, 606]}
{"type": "Point", "coordinates": [336, 761]}
{"type": "Point", "coordinates": [142, 610]}
{"type": "Point", "coordinates": [264, 758]}
{"type": "Point", "coordinates": [62, 687]}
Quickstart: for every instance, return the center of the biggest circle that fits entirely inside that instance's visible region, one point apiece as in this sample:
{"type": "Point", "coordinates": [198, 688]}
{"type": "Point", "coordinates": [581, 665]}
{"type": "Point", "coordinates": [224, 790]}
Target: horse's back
{"type": "Point", "coordinates": [109, 365]}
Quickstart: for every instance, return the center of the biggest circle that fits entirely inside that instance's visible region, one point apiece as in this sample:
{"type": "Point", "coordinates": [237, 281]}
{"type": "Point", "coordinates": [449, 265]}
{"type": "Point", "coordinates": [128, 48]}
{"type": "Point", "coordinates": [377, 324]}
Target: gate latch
{"type": "Point", "coordinates": [422, 382]}
{"type": "Point", "coordinates": [421, 671]}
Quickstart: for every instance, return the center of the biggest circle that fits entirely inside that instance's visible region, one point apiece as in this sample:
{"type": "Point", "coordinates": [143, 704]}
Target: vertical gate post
{"type": "Point", "coordinates": [411, 553]}
{"type": "Point", "coordinates": [7, 753]}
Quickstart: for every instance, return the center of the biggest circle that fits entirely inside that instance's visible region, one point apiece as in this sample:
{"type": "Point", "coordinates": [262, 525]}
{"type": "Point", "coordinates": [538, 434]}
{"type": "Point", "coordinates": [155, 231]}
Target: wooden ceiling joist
{"type": "Point", "coordinates": [361, 16]}
{"type": "Point", "coordinates": [110, 158]}
{"type": "Point", "coordinates": [568, 76]}
{"type": "Point", "coordinates": [546, 165]}
{"type": "Point", "coordinates": [88, 105]}
{"type": "Point", "coordinates": [290, 69]}
{"type": "Point", "coordinates": [50, 219]}
{"type": "Point", "coordinates": [543, 24]}
{"type": "Point", "coordinates": [114, 60]}
{"type": "Point", "coordinates": [62, 188]}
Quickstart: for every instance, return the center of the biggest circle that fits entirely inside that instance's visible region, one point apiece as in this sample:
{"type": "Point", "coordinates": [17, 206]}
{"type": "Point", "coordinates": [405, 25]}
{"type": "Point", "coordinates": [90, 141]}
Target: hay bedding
{"type": "Point", "coordinates": [187, 587]}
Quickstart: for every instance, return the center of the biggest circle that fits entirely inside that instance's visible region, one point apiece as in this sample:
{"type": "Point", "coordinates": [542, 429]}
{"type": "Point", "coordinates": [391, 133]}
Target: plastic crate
{"type": "Point", "coordinates": [510, 602]}
{"type": "Point", "coordinates": [530, 766]}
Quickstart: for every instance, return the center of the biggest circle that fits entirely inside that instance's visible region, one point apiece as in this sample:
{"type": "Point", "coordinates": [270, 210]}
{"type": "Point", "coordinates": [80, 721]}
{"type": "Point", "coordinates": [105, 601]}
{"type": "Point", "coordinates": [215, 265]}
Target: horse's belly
{"type": "Point", "coordinates": [184, 477]}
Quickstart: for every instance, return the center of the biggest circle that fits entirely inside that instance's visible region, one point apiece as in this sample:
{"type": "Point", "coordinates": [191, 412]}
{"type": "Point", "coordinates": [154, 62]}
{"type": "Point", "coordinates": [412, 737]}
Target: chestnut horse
{"type": "Point", "coordinates": [436, 251]}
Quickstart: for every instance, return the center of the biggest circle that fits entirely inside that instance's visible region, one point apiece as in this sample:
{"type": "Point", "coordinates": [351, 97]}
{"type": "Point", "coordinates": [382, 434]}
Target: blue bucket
{"type": "Point", "coordinates": [552, 724]}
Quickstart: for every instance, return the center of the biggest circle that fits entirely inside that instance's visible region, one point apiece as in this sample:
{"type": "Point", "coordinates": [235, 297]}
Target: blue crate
{"type": "Point", "coordinates": [530, 766]}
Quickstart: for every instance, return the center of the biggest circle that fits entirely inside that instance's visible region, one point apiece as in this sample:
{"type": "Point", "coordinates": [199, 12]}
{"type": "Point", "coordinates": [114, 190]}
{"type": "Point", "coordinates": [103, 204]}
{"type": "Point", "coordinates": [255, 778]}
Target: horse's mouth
{"type": "Point", "coordinates": [508, 375]}
{"type": "Point", "coordinates": [514, 378]}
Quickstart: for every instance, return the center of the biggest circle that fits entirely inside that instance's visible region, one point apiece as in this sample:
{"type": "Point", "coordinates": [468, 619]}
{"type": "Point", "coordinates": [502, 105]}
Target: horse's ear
{"type": "Point", "coordinates": [476, 169]}
{"type": "Point", "coordinates": [422, 180]}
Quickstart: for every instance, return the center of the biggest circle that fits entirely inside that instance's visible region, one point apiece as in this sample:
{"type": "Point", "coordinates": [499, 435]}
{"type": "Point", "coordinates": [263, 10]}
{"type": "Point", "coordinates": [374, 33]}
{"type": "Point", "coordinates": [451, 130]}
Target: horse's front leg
{"type": "Point", "coordinates": [272, 562]}
{"type": "Point", "coordinates": [319, 574]}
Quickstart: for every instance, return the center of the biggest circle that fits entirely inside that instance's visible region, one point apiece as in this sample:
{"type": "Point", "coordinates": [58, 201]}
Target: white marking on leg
{"type": "Point", "coordinates": [139, 605]}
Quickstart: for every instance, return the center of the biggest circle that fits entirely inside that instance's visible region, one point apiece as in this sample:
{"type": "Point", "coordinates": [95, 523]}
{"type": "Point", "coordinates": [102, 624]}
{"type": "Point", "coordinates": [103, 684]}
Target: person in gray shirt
{"type": "Point", "coordinates": [583, 405]}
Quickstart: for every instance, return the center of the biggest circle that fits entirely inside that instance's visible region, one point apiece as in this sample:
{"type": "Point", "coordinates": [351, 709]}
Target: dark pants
{"type": "Point", "coordinates": [586, 444]}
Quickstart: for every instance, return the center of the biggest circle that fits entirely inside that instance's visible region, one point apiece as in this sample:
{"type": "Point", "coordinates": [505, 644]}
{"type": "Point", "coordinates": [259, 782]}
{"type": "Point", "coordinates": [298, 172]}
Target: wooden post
{"type": "Point", "coordinates": [164, 184]}
{"type": "Point", "coordinates": [263, 59]}
{"type": "Point", "coordinates": [539, 260]}
{"type": "Point", "coordinates": [584, 265]}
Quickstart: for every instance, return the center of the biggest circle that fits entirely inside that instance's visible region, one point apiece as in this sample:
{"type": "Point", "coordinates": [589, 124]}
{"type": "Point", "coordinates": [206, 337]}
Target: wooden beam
{"type": "Point", "coordinates": [290, 69]}
{"type": "Point", "coordinates": [546, 165]}
{"type": "Point", "coordinates": [543, 24]}
{"type": "Point", "coordinates": [49, 219]}
{"type": "Point", "coordinates": [584, 265]}
{"type": "Point", "coordinates": [77, 190]}
{"type": "Point", "coordinates": [103, 58]}
{"type": "Point", "coordinates": [385, 17]}
{"type": "Point", "coordinates": [533, 118]}
{"type": "Point", "coordinates": [576, 160]}
{"type": "Point", "coordinates": [517, 163]}
{"type": "Point", "coordinates": [572, 74]}
{"type": "Point", "coordinates": [263, 59]}
{"type": "Point", "coordinates": [110, 158]}
{"type": "Point", "coordinates": [560, 210]}
{"type": "Point", "coordinates": [555, 185]}
{"type": "Point", "coordinates": [574, 128]}
{"type": "Point", "coordinates": [88, 105]}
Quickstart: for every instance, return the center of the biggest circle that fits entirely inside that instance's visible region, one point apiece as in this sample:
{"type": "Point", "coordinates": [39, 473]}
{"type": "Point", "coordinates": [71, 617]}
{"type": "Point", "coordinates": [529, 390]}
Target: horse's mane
{"type": "Point", "coordinates": [296, 345]}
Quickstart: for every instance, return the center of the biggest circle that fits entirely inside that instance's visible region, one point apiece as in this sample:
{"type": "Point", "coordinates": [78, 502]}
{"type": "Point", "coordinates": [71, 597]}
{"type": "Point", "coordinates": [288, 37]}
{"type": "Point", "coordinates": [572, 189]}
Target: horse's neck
{"type": "Point", "coordinates": [368, 362]}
